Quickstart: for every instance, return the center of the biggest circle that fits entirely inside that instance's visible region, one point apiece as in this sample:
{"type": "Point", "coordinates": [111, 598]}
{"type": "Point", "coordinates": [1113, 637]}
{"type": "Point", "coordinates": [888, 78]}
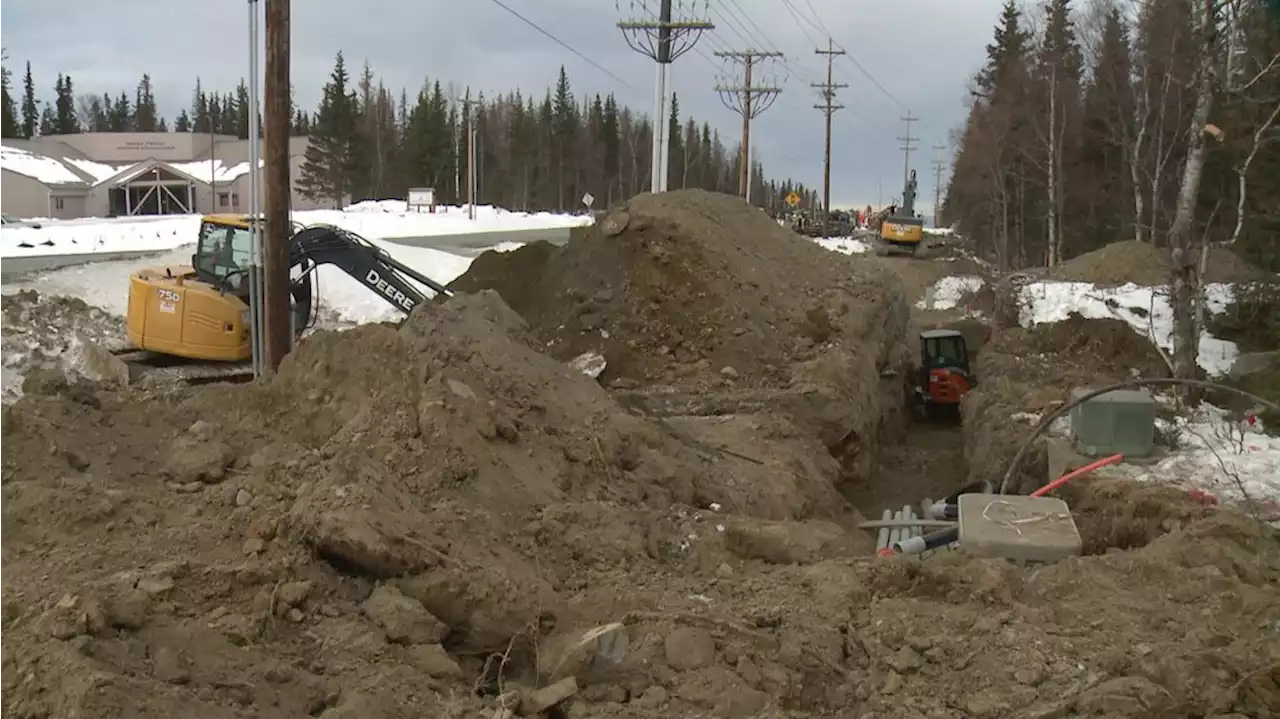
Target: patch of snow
{"type": "Point", "coordinates": [37, 167]}
{"type": "Point", "coordinates": [99, 171]}
{"type": "Point", "coordinates": [151, 234]}
{"type": "Point", "coordinates": [946, 293]}
{"type": "Point", "coordinates": [1217, 453]}
{"type": "Point", "coordinates": [843, 245]}
{"type": "Point", "coordinates": [1145, 309]}
{"type": "Point", "coordinates": [343, 300]}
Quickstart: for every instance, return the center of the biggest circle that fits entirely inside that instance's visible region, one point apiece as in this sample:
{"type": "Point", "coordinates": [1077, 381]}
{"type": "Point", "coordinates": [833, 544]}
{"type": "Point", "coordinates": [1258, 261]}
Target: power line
{"type": "Point", "coordinates": [564, 45]}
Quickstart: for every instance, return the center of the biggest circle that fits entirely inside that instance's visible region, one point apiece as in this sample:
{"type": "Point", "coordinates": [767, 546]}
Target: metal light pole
{"type": "Point", "coordinates": [255, 199]}
{"type": "Point", "coordinates": [663, 38]}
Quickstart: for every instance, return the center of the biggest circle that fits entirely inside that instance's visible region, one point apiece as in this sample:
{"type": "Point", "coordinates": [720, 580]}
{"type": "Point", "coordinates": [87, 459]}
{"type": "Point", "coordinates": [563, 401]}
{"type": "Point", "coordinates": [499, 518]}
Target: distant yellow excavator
{"type": "Point", "coordinates": [900, 231]}
{"type": "Point", "coordinates": [193, 320]}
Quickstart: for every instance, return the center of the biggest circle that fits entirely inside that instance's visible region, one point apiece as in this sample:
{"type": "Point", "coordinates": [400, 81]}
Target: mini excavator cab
{"type": "Point", "coordinates": [200, 311]}
{"type": "Point", "coordinates": [944, 377]}
{"type": "Point", "coordinates": [223, 253]}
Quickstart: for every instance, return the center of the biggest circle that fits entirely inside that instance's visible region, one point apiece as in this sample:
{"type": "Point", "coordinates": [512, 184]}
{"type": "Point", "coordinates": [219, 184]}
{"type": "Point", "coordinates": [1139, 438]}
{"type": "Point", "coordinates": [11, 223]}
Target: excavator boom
{"type": "Point", "coordinates": [372, 266]}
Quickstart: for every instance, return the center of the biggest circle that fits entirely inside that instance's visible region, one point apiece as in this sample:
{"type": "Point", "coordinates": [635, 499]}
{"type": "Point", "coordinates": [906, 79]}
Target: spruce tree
{"type": "Point", "coordinates": [65, 120]}
{"type": "Point", "coordinates": [30, 106]}
{"type": "Point", "coordinates": [330, 158]}
{"type": "Point", "coordinates": [146, 116]}
{"type": "Point", "coordinates": [9, 125]}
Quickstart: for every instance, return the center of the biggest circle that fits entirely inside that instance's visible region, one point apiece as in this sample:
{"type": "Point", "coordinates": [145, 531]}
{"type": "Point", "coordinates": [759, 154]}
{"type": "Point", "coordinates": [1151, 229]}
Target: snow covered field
{"type": "Point", "coordinates": [373, 220]}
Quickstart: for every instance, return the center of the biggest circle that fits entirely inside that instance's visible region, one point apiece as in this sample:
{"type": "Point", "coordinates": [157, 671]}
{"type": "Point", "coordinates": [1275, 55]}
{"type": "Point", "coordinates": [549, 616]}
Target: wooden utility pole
{"type": "Point", "coordinates": [828, 92]}
{"type": "Point", "coordinates": [749, 101]}
{"type": "Point", "coordinates": [938, 164]}
{"type": "Point", "coordinates": [277, 115]}
{"type": "Point", "coordinates": [907, 147]}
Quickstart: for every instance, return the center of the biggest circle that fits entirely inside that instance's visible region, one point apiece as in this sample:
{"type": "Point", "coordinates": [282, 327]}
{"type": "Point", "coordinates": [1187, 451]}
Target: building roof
{"type": "Point", "coordinates": [41, 168]}
{"type": "Point", "coordinates": [55, 163]}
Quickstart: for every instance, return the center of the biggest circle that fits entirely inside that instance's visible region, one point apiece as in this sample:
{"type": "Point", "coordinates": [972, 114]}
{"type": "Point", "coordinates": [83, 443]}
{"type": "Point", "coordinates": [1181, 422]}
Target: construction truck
{"type": "Point", "coordinates": [899, 230]}
{"type": "Point", "coordinates": [193, 321]}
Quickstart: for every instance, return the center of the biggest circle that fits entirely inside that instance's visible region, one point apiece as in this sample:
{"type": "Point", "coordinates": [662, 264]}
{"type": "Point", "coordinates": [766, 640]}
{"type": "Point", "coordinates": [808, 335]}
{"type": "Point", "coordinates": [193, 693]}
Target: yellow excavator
{"type": "Point", "coordinates": [193, 321]}
{"type": "Point", "coordinates": [899, 230]}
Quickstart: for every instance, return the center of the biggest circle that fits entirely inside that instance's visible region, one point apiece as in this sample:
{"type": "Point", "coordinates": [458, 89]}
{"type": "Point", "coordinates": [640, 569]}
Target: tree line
{"type": "Point", "coordinates": [1153, 120]}
{"type": "Point", "coordinates": [370, 142]}
{"type": "Point", "coordinates": [1079, 129]}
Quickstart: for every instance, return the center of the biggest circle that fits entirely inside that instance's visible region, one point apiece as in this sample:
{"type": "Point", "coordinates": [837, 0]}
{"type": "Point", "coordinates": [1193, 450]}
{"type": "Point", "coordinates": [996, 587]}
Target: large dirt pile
{"type": "Point", "coordinates": [493, 487]}
{"type": "Point", "coordinates": [1023, 372]}
{"type": "Point", "coordinates": [441, 521]}
{"type": "Point", "coordinates": [1144, 264]}
{"type": "Point", "coordinates": [697, 292]}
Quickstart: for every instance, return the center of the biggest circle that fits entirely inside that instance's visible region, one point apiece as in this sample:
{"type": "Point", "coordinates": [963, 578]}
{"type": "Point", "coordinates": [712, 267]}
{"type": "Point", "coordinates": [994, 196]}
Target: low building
{"type": "Point", "coordinates": [115, 174]}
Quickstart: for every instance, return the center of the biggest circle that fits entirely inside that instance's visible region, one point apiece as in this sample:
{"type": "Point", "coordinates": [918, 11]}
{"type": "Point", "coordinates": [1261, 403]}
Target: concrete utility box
{"type": "Point", "coordinates": [1119, 422]}
{"type": "Point", "coordinates": [1012, 526]}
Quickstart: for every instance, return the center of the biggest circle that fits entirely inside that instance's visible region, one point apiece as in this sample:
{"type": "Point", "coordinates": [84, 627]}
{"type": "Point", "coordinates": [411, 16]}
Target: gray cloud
{"type": "Point", "coordinates": [921, 51]}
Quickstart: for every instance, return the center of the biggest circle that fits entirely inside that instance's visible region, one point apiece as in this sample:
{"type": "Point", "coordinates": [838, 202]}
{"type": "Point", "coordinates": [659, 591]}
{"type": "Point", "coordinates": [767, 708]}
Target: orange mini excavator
{"type": "Point", "coordinates": [944, 378]}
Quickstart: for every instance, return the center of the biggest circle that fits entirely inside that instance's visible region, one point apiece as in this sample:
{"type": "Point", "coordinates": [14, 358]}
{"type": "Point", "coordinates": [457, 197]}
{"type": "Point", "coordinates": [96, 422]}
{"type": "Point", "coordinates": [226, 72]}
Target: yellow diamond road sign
{"type": "Point", "coordinates": [793, 199]}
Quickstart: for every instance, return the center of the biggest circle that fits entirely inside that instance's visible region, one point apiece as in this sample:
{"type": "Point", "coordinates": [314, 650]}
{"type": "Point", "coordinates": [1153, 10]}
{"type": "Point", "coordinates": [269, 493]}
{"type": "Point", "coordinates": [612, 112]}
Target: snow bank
{"type": "Point", "coordinates": [843, 245]}
{"type": "Point", "coordinates": [947, 292]}
{"type": "Point", "coordinates": [383, 219]}
{"type": "Point", "coordinates": [1145, 309]}
{"type": "Point", "coordinates": [1219, 454]}
{"type": "Point", "coordinates": [343, 300]}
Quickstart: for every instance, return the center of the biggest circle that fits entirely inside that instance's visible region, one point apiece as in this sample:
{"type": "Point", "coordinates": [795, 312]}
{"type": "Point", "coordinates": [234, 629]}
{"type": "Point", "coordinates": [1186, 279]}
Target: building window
{"type": "Point", "coordinates": [57, 203]}
{"type": "Point", "coordinates": [224, 199]}
{"type": "Point", "coordinates": [235, 199]}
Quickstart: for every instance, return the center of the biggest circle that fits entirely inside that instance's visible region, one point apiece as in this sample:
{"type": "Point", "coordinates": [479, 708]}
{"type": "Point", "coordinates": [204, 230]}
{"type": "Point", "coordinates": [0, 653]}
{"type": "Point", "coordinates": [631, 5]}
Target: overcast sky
{"type": "Point", "coordinates": [921, 51]}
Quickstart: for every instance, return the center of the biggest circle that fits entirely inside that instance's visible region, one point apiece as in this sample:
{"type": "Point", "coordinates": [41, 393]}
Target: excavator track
{"type": "Point", "coordinates": [179, 370]}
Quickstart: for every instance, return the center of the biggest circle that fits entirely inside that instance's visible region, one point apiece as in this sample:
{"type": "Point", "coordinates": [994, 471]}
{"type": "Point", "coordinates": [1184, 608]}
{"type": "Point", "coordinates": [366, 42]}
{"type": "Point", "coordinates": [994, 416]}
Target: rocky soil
{"type": "Point", "coordinates": [445, 519]}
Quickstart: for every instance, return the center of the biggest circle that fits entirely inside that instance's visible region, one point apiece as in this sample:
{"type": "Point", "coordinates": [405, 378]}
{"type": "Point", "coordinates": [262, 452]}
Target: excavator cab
{"type": "Point", "coordinates": [223, 253]}
{"type": "Point", "coordinates": [201, 311]}
{"type": "Point", "coordinates": [944, 377]}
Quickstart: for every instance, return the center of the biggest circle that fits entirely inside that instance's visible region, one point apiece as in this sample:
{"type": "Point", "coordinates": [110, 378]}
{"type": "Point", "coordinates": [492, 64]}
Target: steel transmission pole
{"type": "Point", "coordinates": [664, 37]}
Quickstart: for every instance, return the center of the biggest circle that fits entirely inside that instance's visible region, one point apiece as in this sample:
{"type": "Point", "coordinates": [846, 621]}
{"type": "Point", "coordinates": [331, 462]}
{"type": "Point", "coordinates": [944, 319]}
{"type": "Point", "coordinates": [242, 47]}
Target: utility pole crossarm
{"type": "Point", "coordinates": [749, 100]}
{"type": "Point", "coordinates": [907, 147]}
{"type": "Point", "coordinates": [662, 38]}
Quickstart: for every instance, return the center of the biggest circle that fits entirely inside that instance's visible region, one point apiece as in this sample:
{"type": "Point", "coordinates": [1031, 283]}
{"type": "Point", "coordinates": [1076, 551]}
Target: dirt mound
{"type": "Point", "coordinates": [439, 520]}
{"type": "Point", "coordinates": [1144, 264]}
{"type": "Point", "coordinates": [47, 331]}
{"type": "Point", "coordinates": [1026, 371]}
{"type": "Point", "coordinates": [501, 503]}
{"type": "Point", "coordinates": [698, 292]}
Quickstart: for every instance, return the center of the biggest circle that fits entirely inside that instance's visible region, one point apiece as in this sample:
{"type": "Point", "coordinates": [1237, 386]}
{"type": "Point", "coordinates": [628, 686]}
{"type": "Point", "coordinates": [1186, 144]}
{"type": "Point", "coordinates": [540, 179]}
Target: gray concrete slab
{"type": "Point", "coordinates": [1024, 529]}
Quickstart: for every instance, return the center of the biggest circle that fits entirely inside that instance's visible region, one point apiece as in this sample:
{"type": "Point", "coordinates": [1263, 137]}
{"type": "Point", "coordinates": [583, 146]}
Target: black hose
{"type": "Point", "coordinates": [1131, 384]}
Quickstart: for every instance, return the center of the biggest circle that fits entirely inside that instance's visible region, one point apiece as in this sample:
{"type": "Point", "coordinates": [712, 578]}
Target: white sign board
{"type": "Point", "coordinates": [420, 197]}
{"type": "Point", "coordinates": [588, 199]}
